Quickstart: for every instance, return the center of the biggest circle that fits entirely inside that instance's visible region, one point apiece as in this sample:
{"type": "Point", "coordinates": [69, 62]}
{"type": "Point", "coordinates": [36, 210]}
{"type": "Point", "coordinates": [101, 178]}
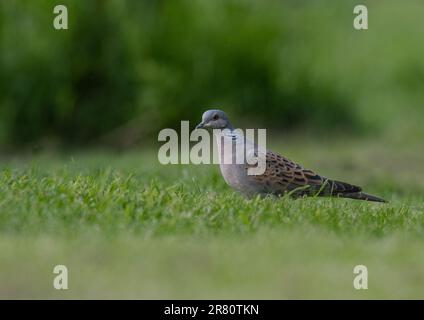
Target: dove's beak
{"type": "Point", "coordinates": [200, 125]}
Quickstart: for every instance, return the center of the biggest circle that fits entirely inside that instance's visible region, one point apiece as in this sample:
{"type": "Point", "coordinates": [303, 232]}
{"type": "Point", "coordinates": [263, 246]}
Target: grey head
{"type": "Point", "coordinates": [215, 119]}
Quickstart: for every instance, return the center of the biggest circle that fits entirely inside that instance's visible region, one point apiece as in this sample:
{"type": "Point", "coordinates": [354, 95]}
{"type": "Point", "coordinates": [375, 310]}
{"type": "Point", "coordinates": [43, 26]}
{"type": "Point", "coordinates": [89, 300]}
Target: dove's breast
{"type": "Point", "coordinates": [235, 173]}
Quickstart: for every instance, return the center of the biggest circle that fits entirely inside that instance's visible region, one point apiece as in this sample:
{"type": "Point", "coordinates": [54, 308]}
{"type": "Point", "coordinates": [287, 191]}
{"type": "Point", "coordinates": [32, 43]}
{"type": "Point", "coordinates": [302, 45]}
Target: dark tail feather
{"type": "Point", "coordinates": [347, 190]}
{"type": "Point", "coordinates": [362, 196]}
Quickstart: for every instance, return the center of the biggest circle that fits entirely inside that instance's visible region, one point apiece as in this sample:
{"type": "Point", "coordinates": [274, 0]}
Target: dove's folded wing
{"type": "Point", "coordinates": [283, 175]}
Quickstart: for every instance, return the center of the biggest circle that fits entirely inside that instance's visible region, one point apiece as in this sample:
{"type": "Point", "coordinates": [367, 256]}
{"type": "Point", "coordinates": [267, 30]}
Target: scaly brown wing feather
{"type": "Point", "coordinates": [283, 175]}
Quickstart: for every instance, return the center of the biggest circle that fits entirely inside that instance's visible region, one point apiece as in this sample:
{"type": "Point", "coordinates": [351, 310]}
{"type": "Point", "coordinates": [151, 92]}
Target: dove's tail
{"type": "Point", "coordinates": [362, 196]}
{"type": "Point", "coordinates": [346, 190]}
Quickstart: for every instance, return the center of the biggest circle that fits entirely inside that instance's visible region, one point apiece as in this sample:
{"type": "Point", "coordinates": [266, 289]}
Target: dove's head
{"type": "Point", "coordinates": [215, 119]}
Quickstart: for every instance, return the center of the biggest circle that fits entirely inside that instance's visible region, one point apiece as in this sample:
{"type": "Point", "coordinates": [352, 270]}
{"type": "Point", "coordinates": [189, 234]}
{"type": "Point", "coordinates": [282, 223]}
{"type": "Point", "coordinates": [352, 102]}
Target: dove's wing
{"type": "Point", "coordinates": [283, 175]}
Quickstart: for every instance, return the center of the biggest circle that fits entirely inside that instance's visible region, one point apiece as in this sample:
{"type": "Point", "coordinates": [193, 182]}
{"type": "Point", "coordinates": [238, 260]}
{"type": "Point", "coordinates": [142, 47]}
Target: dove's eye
{"type": "Point", "coordinates": [215, 117]}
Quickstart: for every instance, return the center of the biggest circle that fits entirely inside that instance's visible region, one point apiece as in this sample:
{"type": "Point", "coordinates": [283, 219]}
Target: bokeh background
{"type": "Point", "coordinates": [126, 69]}
{"type": "Point", "coordinates": [80, 184]}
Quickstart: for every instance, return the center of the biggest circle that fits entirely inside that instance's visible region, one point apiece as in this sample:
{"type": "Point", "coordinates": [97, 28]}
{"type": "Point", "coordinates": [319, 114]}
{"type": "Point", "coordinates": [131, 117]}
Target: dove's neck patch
{"type": "Point", "coordinates": [229, 133]}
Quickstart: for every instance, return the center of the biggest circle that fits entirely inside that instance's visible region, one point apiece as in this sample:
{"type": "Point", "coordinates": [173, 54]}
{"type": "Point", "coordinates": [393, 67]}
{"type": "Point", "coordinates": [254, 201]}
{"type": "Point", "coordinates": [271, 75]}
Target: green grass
{"type": "Point", "coordinates": [127, 227]}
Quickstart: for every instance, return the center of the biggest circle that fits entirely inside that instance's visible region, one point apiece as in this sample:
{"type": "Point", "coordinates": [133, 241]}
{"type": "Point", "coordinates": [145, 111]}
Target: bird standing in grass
{"type": "Point", "coordinates": [282, 176]}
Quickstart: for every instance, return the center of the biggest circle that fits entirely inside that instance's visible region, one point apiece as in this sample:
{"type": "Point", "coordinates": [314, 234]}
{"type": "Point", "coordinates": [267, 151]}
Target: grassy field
{"type": "Point", "coordinates": [127, 227]}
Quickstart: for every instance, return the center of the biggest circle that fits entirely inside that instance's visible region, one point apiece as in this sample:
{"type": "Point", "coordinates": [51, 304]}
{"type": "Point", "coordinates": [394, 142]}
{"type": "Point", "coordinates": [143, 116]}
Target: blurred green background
{"type": "Point", "coordinates": [126, 69]}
